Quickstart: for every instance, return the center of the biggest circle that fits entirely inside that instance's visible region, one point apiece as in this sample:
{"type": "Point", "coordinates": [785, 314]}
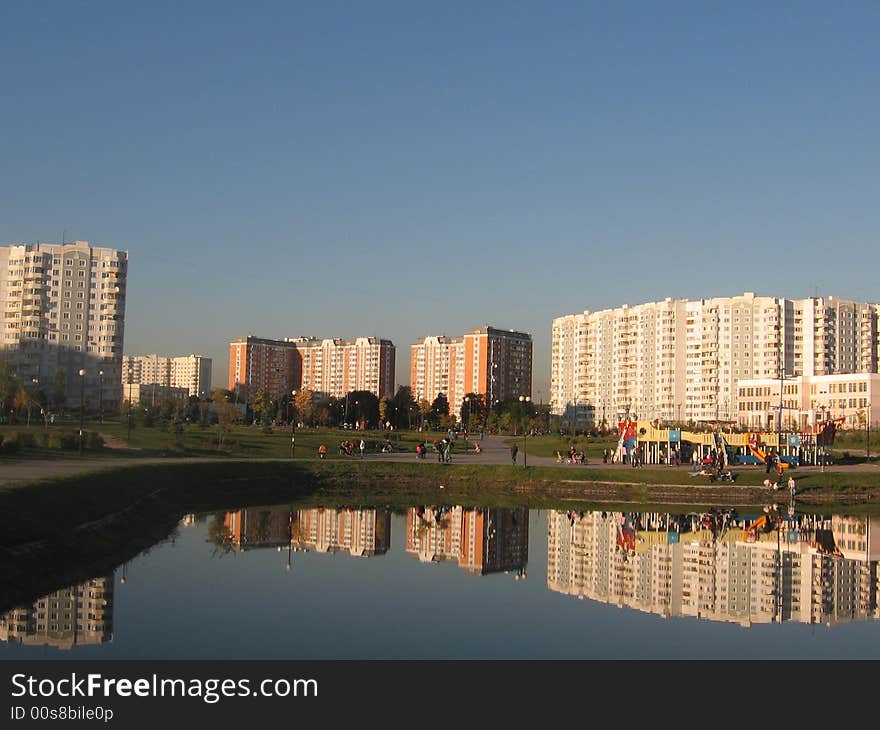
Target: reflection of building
{"type": "Point", "coordinates": [359, 532]}
{"type": "Point", "coordinates": [481, 540]}
{"type": "Point", "coordinates": [261, 527]}
{"type": "Point", "coordinates": [433, 534]}
{"type": "Point", "coordinates": [675, 566]}
{"type": "Point", "coordinates": [79, 614]}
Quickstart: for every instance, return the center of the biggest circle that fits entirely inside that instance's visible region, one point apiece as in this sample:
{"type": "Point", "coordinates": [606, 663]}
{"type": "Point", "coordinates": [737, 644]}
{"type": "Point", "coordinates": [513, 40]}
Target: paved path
{"type": "Point", "coordinates": [494, 452]}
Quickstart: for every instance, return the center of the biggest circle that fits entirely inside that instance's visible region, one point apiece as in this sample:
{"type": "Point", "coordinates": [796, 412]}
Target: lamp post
{"type": "Point", "coordinates": [289, 536]}
{"type": "Point", "coordinates": [82, 391]}
{"type": "Point", "coordinates": [357, 415]}
{"type": "Point", "coordinates": [467, 405]}
{"type": "Point", "coordinates": [524, 399]}
{"type": "Point", "coordinates": [130, 378]}
{"type": "Point", "coordinates": [293, 426]}
{"type": "Point", "coordinates": [101, 396]}
{"type": "Point", "coordinates": [36, 383]}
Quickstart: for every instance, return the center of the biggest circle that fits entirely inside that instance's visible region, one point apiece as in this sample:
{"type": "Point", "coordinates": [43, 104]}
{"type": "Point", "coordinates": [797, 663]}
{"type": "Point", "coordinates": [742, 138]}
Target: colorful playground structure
{"type": "Point", "coordinates": [658, 445]}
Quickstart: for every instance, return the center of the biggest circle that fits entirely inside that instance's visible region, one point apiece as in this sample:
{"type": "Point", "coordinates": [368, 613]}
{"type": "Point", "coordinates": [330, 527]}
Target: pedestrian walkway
{"type": "Point", "coordinates": [494, 452]}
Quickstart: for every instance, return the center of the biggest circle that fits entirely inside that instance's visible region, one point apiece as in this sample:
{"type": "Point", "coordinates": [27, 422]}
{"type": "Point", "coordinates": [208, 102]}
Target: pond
{"type": "Point", "coordinates": [453, 581]}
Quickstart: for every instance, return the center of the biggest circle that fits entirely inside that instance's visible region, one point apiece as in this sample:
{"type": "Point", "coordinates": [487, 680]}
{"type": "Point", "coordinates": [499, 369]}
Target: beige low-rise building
{"type": "Point", "coordinates": [807, 400]}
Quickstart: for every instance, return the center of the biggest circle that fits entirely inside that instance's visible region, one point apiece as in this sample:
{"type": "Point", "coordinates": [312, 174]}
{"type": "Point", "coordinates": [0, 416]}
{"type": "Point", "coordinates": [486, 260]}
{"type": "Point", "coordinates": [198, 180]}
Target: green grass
{"type": "Point", "coordinates": [241, 441]}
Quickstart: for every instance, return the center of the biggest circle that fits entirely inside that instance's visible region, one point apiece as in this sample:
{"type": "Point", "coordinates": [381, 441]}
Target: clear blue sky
{"type": "Point", "coordinates": [406, 169]}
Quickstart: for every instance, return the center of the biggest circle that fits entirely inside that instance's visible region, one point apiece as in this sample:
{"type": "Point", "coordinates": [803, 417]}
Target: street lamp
{"type": "Point", "coordinates": [101, 395]}
{"type": "Point", "coordinates": [289, 535]}
{"type": "Point", "coordinates": [293, 426]}
{"type": "Point", "coordinates": [36, 383]}
{"type": "Point", "coordinates": [467, 405]}
{"type": "Point", "coordinates": [130, 378]}
{"type": "Point", "coordinates": [524, 399]}
{"type": "Point", "coordinates": [82, 390]}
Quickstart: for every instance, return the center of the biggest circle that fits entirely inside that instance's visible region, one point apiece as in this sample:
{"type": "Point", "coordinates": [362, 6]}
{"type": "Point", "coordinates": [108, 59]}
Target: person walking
{"type": "Point", "coordinates": [791, 485]}
{"type": "Point", "coordinates": [604, 456]}
{"type": "Point", "coordinates": [362, 446]}
{"type": "Point", "coordinates": [513, 452]}
{"type": "Point", "coordinates": [322, 451]}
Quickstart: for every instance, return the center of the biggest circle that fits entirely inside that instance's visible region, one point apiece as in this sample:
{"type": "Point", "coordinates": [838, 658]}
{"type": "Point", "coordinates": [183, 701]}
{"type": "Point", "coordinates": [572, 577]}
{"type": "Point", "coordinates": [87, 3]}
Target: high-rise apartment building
{"type": "Point", "coordinates": [331, 367]}
{"type": "Point", "coordinates": [681, 360]}
{"type": "Point", "coordinates": [193, 372]}
{"type": "Point", "coordinates": [494, 363]}
{"type": "Point", "coordinates": [64, 312]}
{"type": "Point", "coordinates": [335, 367]}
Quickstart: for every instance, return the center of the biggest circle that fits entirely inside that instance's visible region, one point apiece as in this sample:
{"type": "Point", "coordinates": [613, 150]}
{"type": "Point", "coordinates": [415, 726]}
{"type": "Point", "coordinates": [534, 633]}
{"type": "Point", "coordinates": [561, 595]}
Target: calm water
{"type": "Point", "coordinates": [456, 582]}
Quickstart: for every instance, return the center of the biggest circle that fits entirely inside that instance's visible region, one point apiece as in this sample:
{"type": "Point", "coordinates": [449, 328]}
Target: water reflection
{"type": "Point", "coordinates": [73, 616]}
{"type": "Point", "coordinates": [482, 541]}
{"type": "Point", "coordinates": [358, 532]}
{"type": "Point", "coordinates": [770, 566]}
{"type": "Point", "coordinates": [718, 565]}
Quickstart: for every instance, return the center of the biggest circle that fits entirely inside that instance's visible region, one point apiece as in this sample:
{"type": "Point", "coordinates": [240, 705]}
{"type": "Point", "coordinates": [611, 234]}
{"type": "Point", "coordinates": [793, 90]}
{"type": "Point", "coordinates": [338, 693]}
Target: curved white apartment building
{"type": "Point", "coordinates": [681, 359]}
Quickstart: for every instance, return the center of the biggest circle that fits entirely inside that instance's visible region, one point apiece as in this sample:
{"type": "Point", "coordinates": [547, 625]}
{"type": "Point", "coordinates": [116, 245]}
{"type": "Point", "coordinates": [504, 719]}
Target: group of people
{"type": "Point", "coordinates": [574, 456]}
{"type": "Point", "coordinates": [444, 450]}
{"type": "Point", "coordinates": [346, 448]}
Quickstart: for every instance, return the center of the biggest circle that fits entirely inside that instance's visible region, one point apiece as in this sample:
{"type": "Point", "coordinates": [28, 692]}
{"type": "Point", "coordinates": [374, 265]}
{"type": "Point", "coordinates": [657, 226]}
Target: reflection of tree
{"type": "Point", "coordinates": [219, 535]}
{"type": "Point", "coordinates": [260, 532]}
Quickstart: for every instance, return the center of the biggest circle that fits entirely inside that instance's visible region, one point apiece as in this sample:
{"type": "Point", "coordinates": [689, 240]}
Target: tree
{"type": "Point", "coordinates": [227, 414]}
{"type": "Point", "coordinates": [304, 402]}
{"type": "Point", "coordinates": [471, 409]}
{"type": "Point", "coordinates": [440, 406]}
{"type": "Point", "coordinates": [424, 409]}
{"type": "Point", "coordinates": [169, 409]}
{"type": "Point", "coordinates": [263, 405]}
{"type": "Point", "coordinates": [59, 390]}
{"type": "Point", "coordinates": [363, 407]}
{"type": "Point", "coordinates": [383, 410]}
{"type": "Point", "coordinates": [23, 401]}
{"type": "Point", "coordinates": [402, 406]}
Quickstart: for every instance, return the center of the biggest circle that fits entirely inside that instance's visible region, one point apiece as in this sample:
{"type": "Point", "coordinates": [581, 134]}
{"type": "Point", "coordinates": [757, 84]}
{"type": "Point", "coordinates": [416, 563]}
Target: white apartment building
{"type": "Point", "coordinates": [64, 312]}
{"type": "Point", "coordinates": [682, 359]}
{"type": "Point", "coordinates": [336, 367]}
{"type": "Point", "coordinates": [193, 372]}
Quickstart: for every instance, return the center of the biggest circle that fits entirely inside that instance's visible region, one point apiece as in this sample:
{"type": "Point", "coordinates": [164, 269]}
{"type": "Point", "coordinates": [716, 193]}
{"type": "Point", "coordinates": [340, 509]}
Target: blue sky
{"type": "Point", "coordinates": [407, 169]}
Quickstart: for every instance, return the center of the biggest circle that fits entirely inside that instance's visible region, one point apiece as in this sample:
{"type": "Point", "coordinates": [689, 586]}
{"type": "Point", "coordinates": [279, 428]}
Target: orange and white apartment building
{"type": "Point", "coordinates": [494, 363]}
{"type": "Point", "coordinates": [328, 367]}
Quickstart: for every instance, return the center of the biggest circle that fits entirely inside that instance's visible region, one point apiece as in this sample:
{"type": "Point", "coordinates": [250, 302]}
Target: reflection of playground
{"type": "Point", "coordinates": [655, 445]}
{"type": "Point", "coordinates": [719, 565]}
